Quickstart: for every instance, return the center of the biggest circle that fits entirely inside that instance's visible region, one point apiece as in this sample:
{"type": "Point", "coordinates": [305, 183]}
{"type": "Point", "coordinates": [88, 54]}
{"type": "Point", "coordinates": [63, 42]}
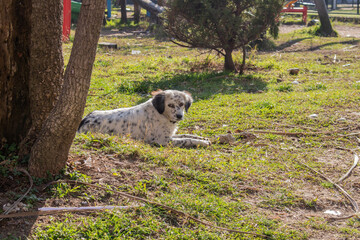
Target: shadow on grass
{"type": "Point", "coordinates": [350, 42]}
{"type": "Point", "coordinates": [201, 85]}
{"type": "Point", "coordinates": [290, 43]}
{"type": "Point", "coordinates": [318, 47]}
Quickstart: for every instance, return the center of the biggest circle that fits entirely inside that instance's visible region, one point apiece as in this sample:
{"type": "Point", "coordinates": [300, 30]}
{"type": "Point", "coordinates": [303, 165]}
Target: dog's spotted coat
{"type": "Point", "coordinates": [153, 121]}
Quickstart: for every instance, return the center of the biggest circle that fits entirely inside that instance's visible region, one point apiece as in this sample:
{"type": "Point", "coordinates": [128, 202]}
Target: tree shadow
{"type": "Point", "coordinates": [352, 42]}
{"type": "Point", "coordinates": [290, 43]}
{"type": "Point", "coordinates": [202, 85]}
{"type": "Point", "coordinates": [312, 48]}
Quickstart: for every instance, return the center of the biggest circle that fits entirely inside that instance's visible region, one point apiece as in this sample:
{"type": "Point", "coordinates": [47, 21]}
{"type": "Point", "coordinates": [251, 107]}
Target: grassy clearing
{"type": "Point", "coordinates": [254, 185]}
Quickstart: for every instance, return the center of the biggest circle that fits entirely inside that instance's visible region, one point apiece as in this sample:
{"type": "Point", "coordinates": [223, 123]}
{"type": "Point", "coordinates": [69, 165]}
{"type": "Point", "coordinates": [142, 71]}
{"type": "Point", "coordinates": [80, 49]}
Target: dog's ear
{"type": "Point", "coordinates": [158, 101]}
{"type": "Point", "coordinates": [154, 93]}
{"type": "Point", "coordinates": [188, 100]}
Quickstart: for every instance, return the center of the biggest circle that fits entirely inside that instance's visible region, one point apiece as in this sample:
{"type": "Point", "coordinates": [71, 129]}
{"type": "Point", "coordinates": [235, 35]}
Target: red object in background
{"type": "Point", "coordinates": [66, 20]}
{"type": "Point", "coordinates": [301, 10]}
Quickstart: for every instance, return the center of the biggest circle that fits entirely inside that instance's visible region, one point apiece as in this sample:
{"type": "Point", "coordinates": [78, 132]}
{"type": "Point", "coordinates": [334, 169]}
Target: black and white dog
{"type": "Point", "coordinates": [154, 121]}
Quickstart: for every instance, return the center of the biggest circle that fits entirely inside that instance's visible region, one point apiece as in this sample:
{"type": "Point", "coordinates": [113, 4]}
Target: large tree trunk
{"type": "Point", "coordinates": [14, 69]}
{"type": "Point", "coordinates": [325, 27]}
{"type": "Point", "coordinates": [123, 11]}
{"type": "Point", "coordinates": [229, 63]}
{"type": "Point", "coordinates": [46, 65]}
{"type": "Point", "coordinates": [50, 151]}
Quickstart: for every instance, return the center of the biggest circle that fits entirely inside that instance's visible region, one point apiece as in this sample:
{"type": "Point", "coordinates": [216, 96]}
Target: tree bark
{"type": "Point", "coordinates": [14, 69]}
{"type": "Point", "coordinates": [123, 11]}
{"type": "Point", "coordinates": [325, 24]}
{"type": "Point", "coordinates": [137, 10]}
{"type": "Point", "coordinates": [50, 151]}
{"type": "Point", "coordinates": [229, 63]}
{"type": "Point", "coordinates": [46, 65]}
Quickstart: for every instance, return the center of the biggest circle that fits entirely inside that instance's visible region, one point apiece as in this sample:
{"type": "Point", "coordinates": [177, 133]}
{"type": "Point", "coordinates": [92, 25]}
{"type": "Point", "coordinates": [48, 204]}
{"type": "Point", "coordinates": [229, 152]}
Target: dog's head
{"type": "Point", "coordinates": [172, 103]}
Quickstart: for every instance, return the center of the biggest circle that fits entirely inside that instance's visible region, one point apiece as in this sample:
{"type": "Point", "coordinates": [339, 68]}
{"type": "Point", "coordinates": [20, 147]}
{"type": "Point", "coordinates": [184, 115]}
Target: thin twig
{"type": "Point", "coordinates": [22, 197]}
{"type": "Point", "coordinates": [162, 206]}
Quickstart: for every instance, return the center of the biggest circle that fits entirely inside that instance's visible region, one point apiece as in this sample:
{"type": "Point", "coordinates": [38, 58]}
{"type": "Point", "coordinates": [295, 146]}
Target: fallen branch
{"type": "Point", "coordinates": [351, 200]}
{"type": "Point", "coordinates": [297, 134]}
{"type": "Point", "coordinates": [53, 210]}
{"type": "Point", "coordinates": [162, 206]}
{"type": "Point", "coordinates": [22, 197]}
{"type": "Point", "coordinates": [356, 160]}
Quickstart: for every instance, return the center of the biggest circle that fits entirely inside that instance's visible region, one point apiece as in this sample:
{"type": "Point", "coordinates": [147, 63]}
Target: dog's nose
{"type": "Point", "coordinates": [179, 116]}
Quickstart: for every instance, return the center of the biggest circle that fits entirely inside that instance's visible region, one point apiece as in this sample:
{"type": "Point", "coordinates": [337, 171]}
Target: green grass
{"type": "Point", "coordinates": [255, 185]}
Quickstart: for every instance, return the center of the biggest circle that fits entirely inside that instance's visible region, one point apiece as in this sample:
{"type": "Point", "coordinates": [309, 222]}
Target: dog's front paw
{"type": "Point", "coordinates": [204, 143]}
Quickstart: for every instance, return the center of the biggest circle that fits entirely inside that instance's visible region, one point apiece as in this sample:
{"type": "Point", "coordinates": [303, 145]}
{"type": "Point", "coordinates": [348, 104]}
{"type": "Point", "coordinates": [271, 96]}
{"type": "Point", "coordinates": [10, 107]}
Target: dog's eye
{"type": "Point", "coordinates": [181, 104]}
{"type": "Point", "coordinates": [171, 105]}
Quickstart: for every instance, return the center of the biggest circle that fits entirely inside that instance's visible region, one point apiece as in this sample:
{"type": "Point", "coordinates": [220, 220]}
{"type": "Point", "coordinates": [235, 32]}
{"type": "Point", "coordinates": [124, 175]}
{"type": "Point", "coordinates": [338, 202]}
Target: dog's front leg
{"type": "Point", "coordinates": [189, 142]}
{"type": "Point", "coordinates": [189, 136]}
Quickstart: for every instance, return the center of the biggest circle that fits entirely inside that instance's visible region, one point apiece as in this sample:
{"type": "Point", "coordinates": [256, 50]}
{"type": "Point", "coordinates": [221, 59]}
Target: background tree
{"type": "Point", "coordinates": [40, 106]}
{"type": "Point", "coordinates": [123, 11]}
{"type": "Point", "coordinates": [222, 26]}
{"type": "Point", "coordinates": [137, 11]}
{"type": "Point", "coordinates": [325, 24]}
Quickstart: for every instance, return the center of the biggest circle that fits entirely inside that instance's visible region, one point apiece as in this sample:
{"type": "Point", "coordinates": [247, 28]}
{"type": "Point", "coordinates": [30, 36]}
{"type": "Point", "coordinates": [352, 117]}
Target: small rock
{"type": "Point", "coordinates": [88, 162]}
{"type": "Point", "coordinates": [293, 71]}
{"type": "Point", "coordinates": [135, 52]}
{"type": "Point", "coordinates": [246, 135]}
{"type": "Point", "coordinates": [58, 202]}
{"type": "Point", "coordinates": [225, 138]}
{"type": "Point", "coordinates": [6, 206]}
{"type": "Point", "coordinates": [84, 203]}
{"type": "Point", "coordinates": [332, 212]}
{"type": "Point", "coordinates": [346, 65]}
{"type": "Point", "coordinates": [295, 82]}
{"type": "Point", "coordinates": [313, 116]}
